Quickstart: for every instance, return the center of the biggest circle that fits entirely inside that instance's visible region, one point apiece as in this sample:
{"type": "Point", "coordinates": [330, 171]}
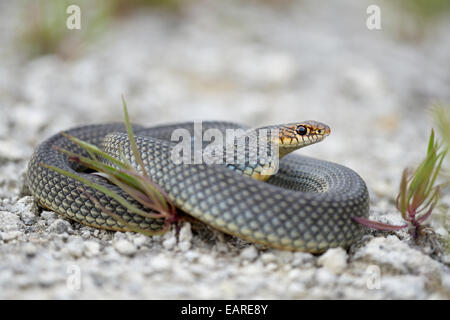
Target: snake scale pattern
{"type": "Point", "coordinates": [307, 205]}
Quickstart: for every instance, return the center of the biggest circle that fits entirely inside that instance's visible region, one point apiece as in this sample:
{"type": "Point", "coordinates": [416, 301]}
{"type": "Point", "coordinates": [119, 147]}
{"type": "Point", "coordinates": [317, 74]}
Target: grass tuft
{"type": "Point", "coordinates": [125, 176]}
{"type": "Point", "coordinates": [419, 194]}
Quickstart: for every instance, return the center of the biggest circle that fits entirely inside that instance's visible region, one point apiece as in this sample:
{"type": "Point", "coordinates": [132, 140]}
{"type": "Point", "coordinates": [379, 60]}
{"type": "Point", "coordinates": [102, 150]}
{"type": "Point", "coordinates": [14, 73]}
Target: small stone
{"type": "Point", "coordinates": [186, 232]}
{"type": "Point", "coordinates": [396, 254]}
{"type": "Point", "coordinates": [249, 253]}
{"type": "Point", "coordinates": [184, 246]}
{"type": "Point", "coordinates": [29, 250]}
{"type": "Point", "coordinates": [405, 286]}
{"type": "Point", "coordinates": [324, 277]}
{"type": "Point", "coordinates": [335, 260]}
{"type": "Point", "coordinates": [60, 226]}
{"type": "Point", "coordinates": [139, 240]}
{"type": "Point", "coordinates": [169, 243]}
{"type": "Point", "coordinates": [222, 247]}
{"type": "Point", "coordinates": [11, 235]}
{"type": "Point", "coordinates": [183, 275]}
{"type": "Point", "coordinates": [85, 234]}
{"type": "Point", "coordinates": [301, 259]}
{"type": "Point", "coordinates": [75, 247]}
{"type": "Point", "coordinates": [9, 221]}
{"type": "Point", "coordinates": [294, 274]}
{"type": "Point", "coordinates": [160, 263]}
{"type": "Point", "coordinates": [284, 256]}
{"type": "Point", "coordinates": [268, 257]}
{"type": "Point", "coordinates": [125, 247]}
{"type": "Point", "coordinates": [446, 282]}
{"type": "Point", "coordinates": [191, 256]}
{"type": "Point", "coordinates": [185, 237]}
{"type": "Point", "coordinates": [48, 215]}
{"type": "Point", "coordinates": [271, 266]}
{"type": "Point", "coordinates": [251, 269]}
{"type": "Point", "coordinates": [207, 261]}
{"type": "Point", "coordinates": [92, 248]}
{"type": "Point", "coordinates": [28, 218]}
{"type": "Point", "coordinates": [296, 288]}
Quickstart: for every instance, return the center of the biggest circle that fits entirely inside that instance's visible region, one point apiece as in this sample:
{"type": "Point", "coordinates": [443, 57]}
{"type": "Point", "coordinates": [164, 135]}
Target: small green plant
{"type": "Point", "coordinates": [442, 118]}
{"type": "Point", "coordinates": [419, 193]}
{"type": "Point", "coordinates": [123, 174]}
{"type": "Point", "coordinates": [441, 115]}
{"type": "Point", "coordinates": [44, 30]}
{"type": "Point", "coordinates": [425, 9]}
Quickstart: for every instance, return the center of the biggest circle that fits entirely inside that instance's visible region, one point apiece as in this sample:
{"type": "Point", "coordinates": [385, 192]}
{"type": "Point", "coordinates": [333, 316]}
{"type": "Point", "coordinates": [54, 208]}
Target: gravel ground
{"type": "Point", "coordinates": [253, 63]}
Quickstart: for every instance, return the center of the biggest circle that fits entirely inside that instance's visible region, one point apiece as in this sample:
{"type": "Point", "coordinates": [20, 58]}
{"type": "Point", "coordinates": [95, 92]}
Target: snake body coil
{"type": "Point", "coordinates": [307, 206]}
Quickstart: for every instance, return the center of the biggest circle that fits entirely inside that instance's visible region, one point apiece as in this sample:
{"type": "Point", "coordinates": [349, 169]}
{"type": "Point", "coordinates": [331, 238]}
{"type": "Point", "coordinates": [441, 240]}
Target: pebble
{"type": "Point", "coordinates": [9, 221]}
{"type": "Point", "coordinates": [207, 260]}
{"type": "Point", "coordinates": [196, 79]}
{"type": "Point", "coordinates": [75, 247]}
{"type": "Point", "coordinates": [302, 259]}
{"type": "Point", "coordinates": [268, 257]}
{"type": "Point", "coordinates": [249, 253]}
{"type": "Point", "coordinates": [28, 218]}
{"type": "Point", "coordinates": [183, 275]}
{"type": "Point", "coordinates": [324, 277]}
{"type": "Point", "coordinates": [160, 263]}
{"type": "Point", "coordinates": [60, 226]}
{"type": "Point", "coordinates": [397, 255]}
{"type": "Point", "coordinates": [407, 286]}
{"type": "Point", "coordinates": [191, 255]}
{"type": "Point", "coordinates": [185, 233]}
{"type": "Point", "coordinates": [185, 237]}
{"type": "Point", "coordinates": [10, 235]}
{"type": "Point", "coordinates": [140, 240]}
{"type": "Point", "coordinates": [30, 250]}
{"type": "Point", "coordinates": [124, 247]}
{"type": "Point", "coordinates": [48, 215]}
{"type": "Point", "coordinates": [92, 248]}
{"type": "Point", "coordinates": [334, 260]}
{"type": "Point", "coordinates": [169, 243]}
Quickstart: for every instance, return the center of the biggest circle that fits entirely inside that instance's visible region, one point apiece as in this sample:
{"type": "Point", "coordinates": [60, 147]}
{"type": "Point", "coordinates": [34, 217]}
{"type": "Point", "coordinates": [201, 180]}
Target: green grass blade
{"type": "Point", "coordinates": [133, 145]}
{"type": "Point", "coordinates": [125, 223]}
{"type": "Point", "coordinates": [100, 167]}
{"type": "Point", "coordinates": [95, 150]}
{"type": "Point", "coordinates": [105, 190]}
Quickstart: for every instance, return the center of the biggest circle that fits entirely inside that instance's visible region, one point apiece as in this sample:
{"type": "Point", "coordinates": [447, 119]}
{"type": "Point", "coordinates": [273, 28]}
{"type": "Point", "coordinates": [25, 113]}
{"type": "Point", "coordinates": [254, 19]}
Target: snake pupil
{"type": "Point", "coordinates": [301, 130]}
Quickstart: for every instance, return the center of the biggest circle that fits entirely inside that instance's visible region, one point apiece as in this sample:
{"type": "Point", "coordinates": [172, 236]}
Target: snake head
{"type": "Point", "coordinates": [294, 136]}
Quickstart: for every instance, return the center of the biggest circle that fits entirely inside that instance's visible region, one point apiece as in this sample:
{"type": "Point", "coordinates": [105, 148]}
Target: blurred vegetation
{"type": "Point", "coordinates": [425, 9]}
{"type": "Point", "coordinates": [44, 29]}
{"type": "Point", "coordinates": [416, 17]}
{"type": "Point", "coordinates": [442, 119]}
{"type": "Point", "coordinates": [421, 190]}
{"type": "Point", "coordinates": [441, 115]}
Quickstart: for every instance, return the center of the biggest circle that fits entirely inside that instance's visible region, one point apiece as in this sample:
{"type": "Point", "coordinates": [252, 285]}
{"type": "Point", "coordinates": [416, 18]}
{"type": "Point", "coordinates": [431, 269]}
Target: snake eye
{"type": "Point", "coordinates": [301, 130]}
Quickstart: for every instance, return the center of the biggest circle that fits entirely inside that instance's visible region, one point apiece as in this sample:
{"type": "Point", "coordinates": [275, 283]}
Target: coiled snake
{"type": "Point", "coordinates": [307, 205]}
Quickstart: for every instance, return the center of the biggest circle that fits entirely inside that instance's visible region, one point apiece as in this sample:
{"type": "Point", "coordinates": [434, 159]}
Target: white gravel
{"type": "Point", "coordinates": [247, 62]}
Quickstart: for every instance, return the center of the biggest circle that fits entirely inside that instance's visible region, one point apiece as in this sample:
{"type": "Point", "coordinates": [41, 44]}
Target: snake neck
{"type": "Point", "coordinates": [257, 153]}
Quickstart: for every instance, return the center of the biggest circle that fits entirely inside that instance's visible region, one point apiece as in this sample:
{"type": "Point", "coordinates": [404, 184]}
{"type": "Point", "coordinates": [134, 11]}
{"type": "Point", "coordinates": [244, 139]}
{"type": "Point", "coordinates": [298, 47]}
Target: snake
{"type": "Point", "coordinates": [306, 204]}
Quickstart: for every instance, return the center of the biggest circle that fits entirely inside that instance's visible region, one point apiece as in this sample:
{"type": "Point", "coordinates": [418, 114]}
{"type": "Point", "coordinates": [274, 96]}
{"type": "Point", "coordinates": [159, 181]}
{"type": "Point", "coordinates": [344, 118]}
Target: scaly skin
{"type": "Point", "coordinates": [307, 205]}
